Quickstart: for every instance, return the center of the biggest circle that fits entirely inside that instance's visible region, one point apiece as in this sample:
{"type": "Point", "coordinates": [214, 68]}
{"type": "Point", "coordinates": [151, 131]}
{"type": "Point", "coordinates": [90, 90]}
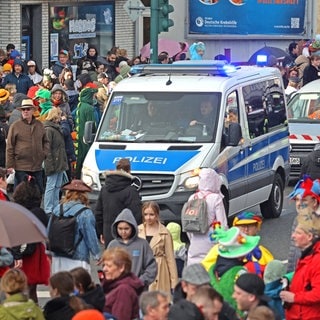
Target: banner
{"type": "Point", "coordinates": [247, 17]}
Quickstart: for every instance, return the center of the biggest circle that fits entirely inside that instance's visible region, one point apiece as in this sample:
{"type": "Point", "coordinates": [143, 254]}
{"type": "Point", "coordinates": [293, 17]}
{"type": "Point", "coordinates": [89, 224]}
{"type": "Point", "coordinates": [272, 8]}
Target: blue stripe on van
{"type": "Point", "coordinates": [144, 160]}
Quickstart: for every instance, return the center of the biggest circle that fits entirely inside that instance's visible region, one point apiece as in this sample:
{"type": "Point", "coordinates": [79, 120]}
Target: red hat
{"type": "Point", "coordinates": [91, 314]}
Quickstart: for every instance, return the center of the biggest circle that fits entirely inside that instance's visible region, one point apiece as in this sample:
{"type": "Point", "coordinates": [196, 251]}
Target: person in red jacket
{"type": "Point", "coordinates": [302, 300]}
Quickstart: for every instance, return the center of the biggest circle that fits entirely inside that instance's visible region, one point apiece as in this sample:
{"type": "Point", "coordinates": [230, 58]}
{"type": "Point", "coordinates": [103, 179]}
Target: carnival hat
{"type": "Point", "coordinates": [306, 187]}
{"type": "Point", "coordinates": [4, 95]}
{"type": "Point", "coordinates": [26, 103]}
{"type": "Point", "coordinates": [246, 218]}
{"type": "Point", "coordinates": [308, 221]}
{"type": "Point", "coordinates": [233, 243]}
{"type": "Point", "coordinates": [76, 185]}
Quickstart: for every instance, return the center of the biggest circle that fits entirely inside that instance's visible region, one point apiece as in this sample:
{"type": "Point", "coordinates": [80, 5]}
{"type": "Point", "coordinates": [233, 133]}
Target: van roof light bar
{"type": "Point", "coordinates": [211, 67]}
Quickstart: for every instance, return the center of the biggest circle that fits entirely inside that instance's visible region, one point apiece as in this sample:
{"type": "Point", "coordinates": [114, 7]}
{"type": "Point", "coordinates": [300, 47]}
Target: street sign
{"type": "Point", "coordinates": [134, 9]}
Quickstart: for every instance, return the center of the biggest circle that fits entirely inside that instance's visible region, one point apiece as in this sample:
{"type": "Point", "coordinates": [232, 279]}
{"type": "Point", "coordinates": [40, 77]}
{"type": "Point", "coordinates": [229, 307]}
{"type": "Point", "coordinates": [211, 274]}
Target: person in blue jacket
{"type": "Point", "coordinates": [18, 77]}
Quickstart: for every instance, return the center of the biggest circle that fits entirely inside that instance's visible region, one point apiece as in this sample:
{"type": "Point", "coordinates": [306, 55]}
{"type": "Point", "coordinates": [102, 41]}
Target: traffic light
{"type": "Point", "coordinates": [163, 21]}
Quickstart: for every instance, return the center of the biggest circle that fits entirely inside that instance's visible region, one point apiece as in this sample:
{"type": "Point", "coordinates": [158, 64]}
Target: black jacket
{"type": "Point", "coordinates": [94, 298]}
{"type": "Point", "coordinates": [311, 165]}
{"type": "Point", "coordinates": [58, 308]}
{"type": "Point", "coordinates": [116, 195]}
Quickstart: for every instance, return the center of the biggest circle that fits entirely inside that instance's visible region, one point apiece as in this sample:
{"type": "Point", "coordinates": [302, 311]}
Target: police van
{"type": "Point", "coordinates": [304, 121]}
{"type": "Point", "coordinates": [172, 120]}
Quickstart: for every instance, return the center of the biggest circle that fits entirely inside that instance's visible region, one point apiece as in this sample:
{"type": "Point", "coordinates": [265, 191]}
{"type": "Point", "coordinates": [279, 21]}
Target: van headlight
{"type": "Point", "coordinates": [189, 181]}
{"type": "Point", "coordinates": [192, 182]}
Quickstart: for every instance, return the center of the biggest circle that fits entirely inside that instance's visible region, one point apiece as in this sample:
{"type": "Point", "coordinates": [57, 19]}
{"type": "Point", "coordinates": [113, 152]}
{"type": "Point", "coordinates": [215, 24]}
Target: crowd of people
{"type": "Point", "coordinates": [223, 273]}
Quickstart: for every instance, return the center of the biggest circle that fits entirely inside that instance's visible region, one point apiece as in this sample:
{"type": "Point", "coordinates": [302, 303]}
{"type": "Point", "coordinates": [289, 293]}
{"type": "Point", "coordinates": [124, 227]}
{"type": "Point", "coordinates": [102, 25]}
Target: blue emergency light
{"type": "Point", "coordinates": [211, 67]}
{"type": "Point", "coordinates": [262, 60]}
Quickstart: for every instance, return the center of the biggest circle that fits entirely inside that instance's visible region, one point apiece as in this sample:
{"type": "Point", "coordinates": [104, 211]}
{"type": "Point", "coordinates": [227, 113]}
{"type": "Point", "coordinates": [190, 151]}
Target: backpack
{"type": "Point", "coordinates": [194, 216]}
{"type": "Point", "coordinates": [61, 233]}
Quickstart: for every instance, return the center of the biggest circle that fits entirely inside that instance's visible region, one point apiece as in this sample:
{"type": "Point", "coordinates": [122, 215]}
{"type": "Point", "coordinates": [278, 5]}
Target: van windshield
{"type": "Point", "coordinates": [304, 107]}
{"type": "Point", "coordinates": [160, 117]}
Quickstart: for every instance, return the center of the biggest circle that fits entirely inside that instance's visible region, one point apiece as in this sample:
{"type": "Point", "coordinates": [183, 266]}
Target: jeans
{"type": "Point", "coordinates": [51, 194]}
{"type": "Point", "coordinates": [19, 177]}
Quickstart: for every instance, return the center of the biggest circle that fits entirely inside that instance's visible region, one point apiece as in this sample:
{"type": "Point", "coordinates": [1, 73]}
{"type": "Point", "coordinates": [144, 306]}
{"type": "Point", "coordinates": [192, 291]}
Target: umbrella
{"type": "Point", "coordinates": [170, 46]}
{"type": "Point", "coordinates": [18, 225]}
{"type": "Point", "coordinates": [268, 51]}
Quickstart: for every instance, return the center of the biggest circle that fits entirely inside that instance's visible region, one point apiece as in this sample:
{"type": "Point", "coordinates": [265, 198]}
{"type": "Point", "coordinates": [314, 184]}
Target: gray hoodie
{"type": "Point", "coordinates": [143, 263]}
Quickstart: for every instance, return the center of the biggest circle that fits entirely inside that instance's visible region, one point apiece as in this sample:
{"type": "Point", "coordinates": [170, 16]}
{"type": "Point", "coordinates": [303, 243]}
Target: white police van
{"type": "Point", "coordinates": [250, 151]}
{"type": "Point", "coordinates": [304, 121]}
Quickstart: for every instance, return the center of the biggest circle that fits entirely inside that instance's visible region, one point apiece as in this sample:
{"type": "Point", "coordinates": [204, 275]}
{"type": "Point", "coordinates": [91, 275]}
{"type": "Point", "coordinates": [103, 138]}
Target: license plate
{"type": "Point", "coordinates": [295, 160]}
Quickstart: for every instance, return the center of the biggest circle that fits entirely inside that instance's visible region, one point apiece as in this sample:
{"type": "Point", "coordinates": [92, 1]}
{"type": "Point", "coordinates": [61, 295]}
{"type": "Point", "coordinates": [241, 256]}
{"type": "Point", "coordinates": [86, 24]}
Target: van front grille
{"type": "Point", "coordinates": [301, 147]}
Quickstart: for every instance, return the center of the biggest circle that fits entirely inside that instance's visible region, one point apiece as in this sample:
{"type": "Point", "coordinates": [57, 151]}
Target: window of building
{"type": "Point", "coordinates": [76, 27]}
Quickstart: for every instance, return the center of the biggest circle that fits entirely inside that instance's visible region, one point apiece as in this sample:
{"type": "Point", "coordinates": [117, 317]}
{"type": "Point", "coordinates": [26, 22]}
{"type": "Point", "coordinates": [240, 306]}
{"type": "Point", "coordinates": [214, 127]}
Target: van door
{"type": "Point", "coordinates": [236, 158]}
{"type": "Point", "coordinates": [265, 115]}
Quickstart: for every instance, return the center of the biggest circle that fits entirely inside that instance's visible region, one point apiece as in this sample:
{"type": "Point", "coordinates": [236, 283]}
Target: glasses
{"type": "Point", "coordinates": [26, 109]}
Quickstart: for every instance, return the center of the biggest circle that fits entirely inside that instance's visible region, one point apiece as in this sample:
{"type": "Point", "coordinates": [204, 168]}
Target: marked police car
{"type": "Point", "coordinates": [304, 121]}
{"type": "Point", "coordinates": [171, 120]}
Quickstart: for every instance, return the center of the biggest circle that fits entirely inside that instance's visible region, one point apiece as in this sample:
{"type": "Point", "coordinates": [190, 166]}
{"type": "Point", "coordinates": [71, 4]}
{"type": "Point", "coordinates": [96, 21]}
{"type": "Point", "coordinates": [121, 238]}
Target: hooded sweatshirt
{"type": "Point", "coordinates": [18, 306]}
{"type": "Point", "coordinates": [209, 187]}
{"type": "Point", "coordinates": [143, 263]}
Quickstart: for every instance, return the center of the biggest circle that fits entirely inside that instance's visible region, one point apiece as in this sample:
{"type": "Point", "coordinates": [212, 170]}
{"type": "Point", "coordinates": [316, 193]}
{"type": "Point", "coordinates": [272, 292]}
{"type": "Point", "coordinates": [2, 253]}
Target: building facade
{"type": "Point", "coordinates": [40, 28]}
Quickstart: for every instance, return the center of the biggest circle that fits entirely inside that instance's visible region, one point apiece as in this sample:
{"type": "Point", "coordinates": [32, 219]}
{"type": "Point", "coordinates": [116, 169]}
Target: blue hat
{"type": "Point", "coordinates": [14, 54]}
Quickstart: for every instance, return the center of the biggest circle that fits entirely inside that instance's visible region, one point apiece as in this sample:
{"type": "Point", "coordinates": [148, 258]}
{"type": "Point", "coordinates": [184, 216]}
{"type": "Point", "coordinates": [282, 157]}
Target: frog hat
{"type": "Point", "coordinates": [233, 243]}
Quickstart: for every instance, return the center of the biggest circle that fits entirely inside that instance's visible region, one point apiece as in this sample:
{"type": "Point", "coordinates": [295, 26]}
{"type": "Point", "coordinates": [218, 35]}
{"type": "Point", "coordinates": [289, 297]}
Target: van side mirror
{"type": "Point", "coordinates": [89, 132]}
{"type": "Point", "coordinates": [234, 134]}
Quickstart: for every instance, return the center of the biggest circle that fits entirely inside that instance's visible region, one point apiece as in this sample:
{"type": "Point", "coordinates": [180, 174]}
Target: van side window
{"type": "Point", "coordinates": [232, 108]}
{"type": "Point", "coordinates": [265, 106]}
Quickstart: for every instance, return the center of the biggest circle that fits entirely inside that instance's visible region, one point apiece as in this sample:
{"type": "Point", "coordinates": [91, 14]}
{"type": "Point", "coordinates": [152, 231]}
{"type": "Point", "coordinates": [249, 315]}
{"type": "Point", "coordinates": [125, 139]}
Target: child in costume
{"type": "Point", "coordinates": [233, 245]}
{"type": "Point", "coordinates": [250, 224]}
{"type": "Point", "coordinates": [179, 247]}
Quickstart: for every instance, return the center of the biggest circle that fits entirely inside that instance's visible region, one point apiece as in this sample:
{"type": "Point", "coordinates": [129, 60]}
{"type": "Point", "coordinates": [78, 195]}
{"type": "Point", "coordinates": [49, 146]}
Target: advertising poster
{"type": "Point", "coordinates": [247, 17]}
{"type": "Point", "coordinates": [78, 26]}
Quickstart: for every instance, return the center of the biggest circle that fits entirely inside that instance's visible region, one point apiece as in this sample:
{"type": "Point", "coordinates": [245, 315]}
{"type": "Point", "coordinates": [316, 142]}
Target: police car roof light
{"type": "Point", "coordinates": [212, 67]}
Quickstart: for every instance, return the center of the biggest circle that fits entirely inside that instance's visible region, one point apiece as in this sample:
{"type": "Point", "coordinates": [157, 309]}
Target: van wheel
{"type": "Point", "coordinates": [273, 206]}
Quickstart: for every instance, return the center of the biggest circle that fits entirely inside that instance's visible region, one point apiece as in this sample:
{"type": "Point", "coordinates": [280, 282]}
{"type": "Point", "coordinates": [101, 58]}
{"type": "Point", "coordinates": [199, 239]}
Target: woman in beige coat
{"type": "Point", "coordinates": [160, 241]}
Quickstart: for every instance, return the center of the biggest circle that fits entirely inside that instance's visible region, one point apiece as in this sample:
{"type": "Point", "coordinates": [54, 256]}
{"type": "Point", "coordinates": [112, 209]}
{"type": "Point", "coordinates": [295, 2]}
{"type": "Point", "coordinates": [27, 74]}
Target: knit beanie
{"type": "Point", "coordinates": [7, 67]}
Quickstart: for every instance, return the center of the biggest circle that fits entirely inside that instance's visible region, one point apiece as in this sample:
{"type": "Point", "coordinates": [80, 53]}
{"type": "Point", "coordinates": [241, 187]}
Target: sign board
{"type": "Point", "coordinates": [134, 9]}
{"type": "Point", "coordinates": [247, 17]}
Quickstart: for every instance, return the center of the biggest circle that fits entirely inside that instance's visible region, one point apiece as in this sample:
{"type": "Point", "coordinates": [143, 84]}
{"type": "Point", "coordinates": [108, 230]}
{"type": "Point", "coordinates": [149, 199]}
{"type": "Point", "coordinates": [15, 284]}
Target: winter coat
{"type": "Point", "coordinates": [58, 67]}
{"type": "Point", "coordinates": [27, 145]}
{"type": "Point", "coordinates": [209, 187]}
{"type": "Point", "coordinates": [56, 160]}
{"type": "Point", "coordinates": [272, 290]}
{"type": "Point", "coordinates": [58, 308]}
{"type": "Point", "coordinates": [3, 136]}
{"type": "Point", "coordinates": [68, 142]}
{"type": "Point", "coordinates": [143, 263]}
{"type": "Point", "coordinates": [18, 306]}
{"type": "Point", "coordinates": [311, 165]}
{"type": "Point", "coordinates": [84, 113]}
{"type": "Point", "coordinates": [122, 295]}
{"type": "Point", "coordinates": [85, 226]}
{"type": "Point", "coordinates": [22, 81]}
{"type": "Point", "coordinates": [306, 286]}
{"type": "Point", "coordinates": [162, 247]}
{"type": "Point", "coordinates": [310, 73]}
{"type": "Point", "coordinates": [117, 194]}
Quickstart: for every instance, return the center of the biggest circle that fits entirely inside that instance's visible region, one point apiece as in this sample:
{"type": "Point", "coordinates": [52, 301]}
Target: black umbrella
{"type": "Point", "coordinates": [268, 51]}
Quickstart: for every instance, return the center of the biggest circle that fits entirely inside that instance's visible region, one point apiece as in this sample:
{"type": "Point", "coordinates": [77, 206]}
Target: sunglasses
{"type": "Point", "coordinates": [26, 109]}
